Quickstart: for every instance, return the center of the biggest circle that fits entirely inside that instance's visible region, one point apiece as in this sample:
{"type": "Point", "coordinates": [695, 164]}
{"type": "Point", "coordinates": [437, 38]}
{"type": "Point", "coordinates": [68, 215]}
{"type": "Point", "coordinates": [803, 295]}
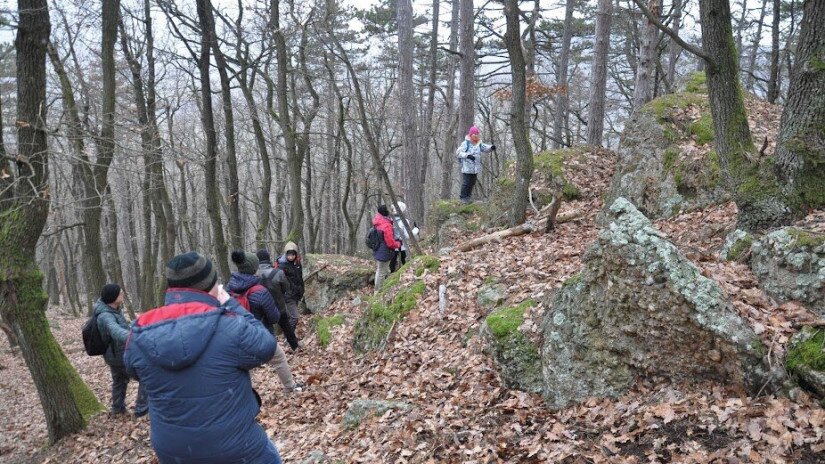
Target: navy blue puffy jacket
{"type": "Point", "coordinates": [194, 356]}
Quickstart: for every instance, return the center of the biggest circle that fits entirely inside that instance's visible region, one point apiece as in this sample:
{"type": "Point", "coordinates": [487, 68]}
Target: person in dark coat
{"type": "Point", "coordinates": [387, 247]}
{"type": "Point", "coordinates": [114, 328]}
{"type": "Point", "coordinates": [272, 278]}
{"type": "Point", "coordinates": [194, 355]}
{"type": "Point", "coordinates": [263, 307]}
{"type": "Point", "coordinates": [290, 263]}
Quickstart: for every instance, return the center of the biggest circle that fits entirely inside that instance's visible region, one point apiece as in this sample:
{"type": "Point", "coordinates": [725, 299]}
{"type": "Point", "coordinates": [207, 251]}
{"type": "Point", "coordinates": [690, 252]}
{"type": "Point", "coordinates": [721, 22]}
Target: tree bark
{"type": "Point", "coordinates": [673, 48]}
{"type": "Point", "coordinates": [642, 92]}
{"type": "Point", "coordinates": [293, 158]}
{"type": "Point", "coordinates": [450, 138]}
{"type": "Point", "coordinates": [67, 401]}
{"type": "Point", "coordinates": [235, 226]}
{"type": "Point", "coordinates": [562, 97]}
{"type": "Point", "coordinates": [467, 104]}
{"type": "Point", "coordinates": [518, 125]}
{"type": "Point", "coordinates": [800, 150]}
{"type": "Point", "coordinates": [757, 38]}
{"type": "Point", "coordinates": [598, 73]}
{"type": "Point", "coordinates": [208, 118]}
{"type": "Point", "coordinates": [773, 80]}
{"type": "Point", "coordinates": [412, 161]}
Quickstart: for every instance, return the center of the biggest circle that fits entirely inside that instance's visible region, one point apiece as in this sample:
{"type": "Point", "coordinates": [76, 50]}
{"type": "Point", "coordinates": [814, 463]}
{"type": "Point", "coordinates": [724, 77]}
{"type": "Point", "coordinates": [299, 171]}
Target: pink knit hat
{"type": "Point", "coordinates": [473, 131]}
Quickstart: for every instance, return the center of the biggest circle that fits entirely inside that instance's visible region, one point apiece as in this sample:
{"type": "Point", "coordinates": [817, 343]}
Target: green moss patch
{"type": "Point", "coordinates": [808, 353]}
{"type": "Point", "coordinates": [382, 314]}
{"type": "Point", "coordinates": [504, 322]}
{"type": "Point", "coordinates": [662, 108]}
{"type": "Point", "coordinates": [570, 192]}
{"type": "Point", "coordinates": [805, 239]}
{"type": "Point", "coordinates": [702, 129]}
{"type": "Point", "coordinates": [323, 326]}
{"type": "Point", "coordinates": [697, 83]}
{"type": "Point", "coordinates": [442, 209]}
{"type": "Point", "coordinates": [739, 248]}
{"type": "Point", "coordinates": [517, 357]}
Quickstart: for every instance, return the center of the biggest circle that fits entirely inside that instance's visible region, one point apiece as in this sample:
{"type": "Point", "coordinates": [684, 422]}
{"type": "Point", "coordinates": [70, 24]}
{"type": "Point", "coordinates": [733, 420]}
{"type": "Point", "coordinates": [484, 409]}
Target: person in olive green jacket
{"type": "Point", "coordinates": [114, 328]}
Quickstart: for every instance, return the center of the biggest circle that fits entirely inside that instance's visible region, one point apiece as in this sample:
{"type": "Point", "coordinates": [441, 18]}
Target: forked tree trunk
{"type": "Point", "coordinates": [67, 401]}
{"type": "Point", "coordinates": [450, 139]}
{"type": "Point", "coordinates": [643, 91]}
{"type": "Point", "coordinates": [467, 105]}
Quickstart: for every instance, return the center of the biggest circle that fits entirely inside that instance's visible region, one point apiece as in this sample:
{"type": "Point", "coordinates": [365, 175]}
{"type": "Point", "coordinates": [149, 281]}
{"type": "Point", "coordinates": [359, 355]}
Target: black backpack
{"type": "Point", "coordinates": [374, 238]}
{"type": "Point", "coordinates": [92, 338]}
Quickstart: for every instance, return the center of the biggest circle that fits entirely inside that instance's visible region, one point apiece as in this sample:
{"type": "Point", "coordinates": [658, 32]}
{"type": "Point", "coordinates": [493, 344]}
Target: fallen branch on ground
{"type": "Point", "coordinates": [315, 272]}
{"type": "Point", "coordinates": [526, 228]}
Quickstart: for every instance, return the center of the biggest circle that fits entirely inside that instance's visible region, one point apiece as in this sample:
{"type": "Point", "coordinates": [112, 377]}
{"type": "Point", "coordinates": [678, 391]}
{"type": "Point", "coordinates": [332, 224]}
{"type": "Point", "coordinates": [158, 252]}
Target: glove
{"type": "Point", "coordinates": [493, 147]}
{"type": "Point", "coordinates": [471, 157]}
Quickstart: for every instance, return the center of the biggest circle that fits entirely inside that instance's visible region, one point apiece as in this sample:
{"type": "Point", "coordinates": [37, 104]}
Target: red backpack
{"type": "Point", "coordinates": [243, 298]}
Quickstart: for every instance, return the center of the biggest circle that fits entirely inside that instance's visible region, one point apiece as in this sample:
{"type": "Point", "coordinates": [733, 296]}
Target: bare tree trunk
{"type": "Point", "coordinates": [67, 401]}
{"type": "Point", "coordinates": [450, 139]}
{"type": "Point", "coordinates": [562, 98]}
{"type": "Point", "coordinates": [518, 125]}
{"type": "Point", "coordinates": [427, 126]}
{"type": "Point", "coordinates": [598, 73]}
{"type": "Point", "coordinates": [294, 161]}
{"type": "Point", "coordinates": [642, 92]}
{"type": "Point", "coordinates": [757, 38]}
{"type": "Point", "coordinates": [673, 48]}
{"type": "Point", "coordinates": [413, 183]}
{"type": "Point", "coordinates": [235, 227]}
{"type": "Point", "coordinates": [467, 104]}
{"type": "Point", "coordinates": [773, 81]}
{"type": "Point", "coordinates": [211, 182]}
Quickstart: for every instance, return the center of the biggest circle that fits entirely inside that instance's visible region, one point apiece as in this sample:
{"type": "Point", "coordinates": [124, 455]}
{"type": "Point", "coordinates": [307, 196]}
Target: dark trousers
{"type": "Point", "coordinates": [468, 181]}
{"type": "Point", "coordinates": [394, 261]}
{"type": "Point", "coordinates": [120, 380]}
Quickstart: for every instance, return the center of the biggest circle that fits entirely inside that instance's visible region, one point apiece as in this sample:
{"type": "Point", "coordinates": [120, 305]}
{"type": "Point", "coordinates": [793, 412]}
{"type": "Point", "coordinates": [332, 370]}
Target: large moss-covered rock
{"type": "Point", "coordinates": [640, 307]}
{"type": "Point", "coordinates": [790, 265]}
{"type": "Point", "coordinates": [336, 276]}
{"type": "Point", "coordinates": [453, 221]}
{"type": "Point", "coordinates": [517, 357]}
{"type": "Point", "coordinates": [666, 162]}
{"type": "Point", "coordinates": [806, 359]}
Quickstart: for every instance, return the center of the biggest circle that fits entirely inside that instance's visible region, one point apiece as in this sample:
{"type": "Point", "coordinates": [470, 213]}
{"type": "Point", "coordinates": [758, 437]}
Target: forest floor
{"type": "Point", "coordinates": [461, 410]}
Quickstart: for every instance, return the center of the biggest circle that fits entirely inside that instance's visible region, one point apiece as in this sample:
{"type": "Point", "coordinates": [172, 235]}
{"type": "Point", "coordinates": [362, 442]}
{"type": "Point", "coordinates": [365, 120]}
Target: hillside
{"type": "Point", "coordinates": [448, 402]}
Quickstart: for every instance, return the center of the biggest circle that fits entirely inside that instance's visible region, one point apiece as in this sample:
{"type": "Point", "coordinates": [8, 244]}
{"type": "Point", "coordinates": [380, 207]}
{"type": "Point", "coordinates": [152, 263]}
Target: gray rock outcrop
{"type": "Point", "coordinates": [790, 265]}
{"type": "Point", "coordinates": [330, 277]}
{"type": "Point", "coordinates": [359, 409]}
{"type": "Point", "coordinates": [640, 307]}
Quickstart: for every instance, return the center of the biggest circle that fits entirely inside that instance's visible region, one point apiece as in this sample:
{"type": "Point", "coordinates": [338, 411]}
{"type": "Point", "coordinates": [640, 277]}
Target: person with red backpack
{"type": "Point", "coordinates": [245, 286]}
{"type": "Point", "coordinates": [386, 247]}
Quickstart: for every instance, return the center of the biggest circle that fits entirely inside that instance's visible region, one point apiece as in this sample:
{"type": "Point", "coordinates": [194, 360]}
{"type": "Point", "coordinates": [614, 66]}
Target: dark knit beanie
{"type": "Point", "coordinates": [247, 262]}
{"type": "Point", "coordinates": [383, 211]}
{"type": "Point", "coordinates": [263, 255]}
{"type": "Point", "coordinates": [110, 293]}
{"type": "Point", "coordinates": [191, 270]}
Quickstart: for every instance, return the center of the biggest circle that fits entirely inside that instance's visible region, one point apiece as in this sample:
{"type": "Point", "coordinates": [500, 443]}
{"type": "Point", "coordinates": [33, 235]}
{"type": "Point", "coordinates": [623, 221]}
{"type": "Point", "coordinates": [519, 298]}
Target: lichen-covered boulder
{"type": "Point", "coordinates": [666, 161]}
{"type": "Point", "coordinates": [329, 277]}
{"type": "Point", "coordinates": [790, 265]}
{"type": "Point", "coordinates": [516, 356]}
{"type": "Point", "coordinates": [737, 246]}
{"type": "Point", "coordinates": [359, 409]}
{"type": "Point", "coordinates": [806, 359]}
{"type": "Point", "coordinates": [491, 295]}
{"type": "Point", "coordinates": [640, 307]}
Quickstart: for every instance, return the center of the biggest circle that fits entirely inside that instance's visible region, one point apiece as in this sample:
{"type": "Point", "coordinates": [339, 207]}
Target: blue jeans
{"type": "Point", "coordinates": [120, 380]}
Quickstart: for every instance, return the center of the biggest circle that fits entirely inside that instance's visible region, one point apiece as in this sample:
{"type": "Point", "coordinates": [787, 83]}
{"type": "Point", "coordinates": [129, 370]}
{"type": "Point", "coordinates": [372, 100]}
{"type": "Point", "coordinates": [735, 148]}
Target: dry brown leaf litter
{"type": "Point", "coordinates": [462, 412]}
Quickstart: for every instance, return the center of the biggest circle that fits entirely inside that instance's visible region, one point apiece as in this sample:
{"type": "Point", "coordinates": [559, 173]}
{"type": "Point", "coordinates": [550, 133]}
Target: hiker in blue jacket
{"type": "Point", "coordinates": [114, 328]}
{"type": "Point", "coordinates": [469, 155]}
{"type": "Point", "coordinates": [194, 355]}
{"type": "Point", "coordinates": [247, 284]}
